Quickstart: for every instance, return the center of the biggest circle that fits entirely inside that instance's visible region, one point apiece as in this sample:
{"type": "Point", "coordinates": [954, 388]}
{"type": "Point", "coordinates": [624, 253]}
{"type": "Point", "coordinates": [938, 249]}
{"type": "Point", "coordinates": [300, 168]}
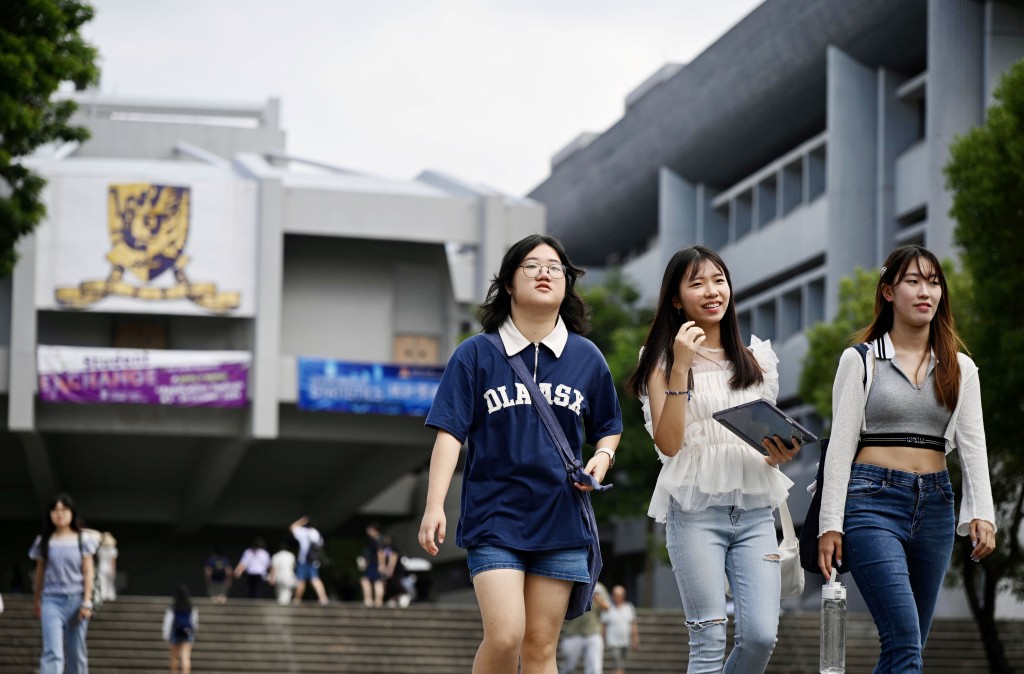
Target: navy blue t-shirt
{"type": "Point", "coordinates": [515, 491]}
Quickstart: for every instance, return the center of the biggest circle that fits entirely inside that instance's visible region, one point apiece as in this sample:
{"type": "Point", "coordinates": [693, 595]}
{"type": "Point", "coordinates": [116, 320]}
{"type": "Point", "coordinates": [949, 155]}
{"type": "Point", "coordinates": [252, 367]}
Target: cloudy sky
{"type": "Point", "coordinates": [485, 90]}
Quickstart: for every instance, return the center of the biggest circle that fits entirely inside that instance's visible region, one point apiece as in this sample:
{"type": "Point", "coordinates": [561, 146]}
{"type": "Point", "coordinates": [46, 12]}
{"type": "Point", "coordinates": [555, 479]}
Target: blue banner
{"type": "Point", "coordinates": [327, 385]}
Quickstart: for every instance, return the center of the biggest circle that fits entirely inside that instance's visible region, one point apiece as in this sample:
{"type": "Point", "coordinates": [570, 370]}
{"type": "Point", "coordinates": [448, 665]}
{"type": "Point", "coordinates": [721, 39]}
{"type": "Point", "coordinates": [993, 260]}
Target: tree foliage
{"type": "Point", "coordinates": [40, 48]}
{"type": "Point", "coordinates": [986, 176]}
{"type": "Point", "coordinates": [619, 327]}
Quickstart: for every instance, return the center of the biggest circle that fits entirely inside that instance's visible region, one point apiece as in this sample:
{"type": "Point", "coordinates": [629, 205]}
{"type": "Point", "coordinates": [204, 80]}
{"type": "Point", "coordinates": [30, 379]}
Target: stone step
{"type": "Point", "coordinates": [425, 639]}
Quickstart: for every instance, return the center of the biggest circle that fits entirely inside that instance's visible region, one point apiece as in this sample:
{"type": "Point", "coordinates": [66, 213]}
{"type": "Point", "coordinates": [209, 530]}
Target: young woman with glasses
{"type": "Point", "coordinates": [63, 588]}
{"type": "Point", "coordinates": [887, 504]}
{"type": "Point", "coordinates": [519, 520]}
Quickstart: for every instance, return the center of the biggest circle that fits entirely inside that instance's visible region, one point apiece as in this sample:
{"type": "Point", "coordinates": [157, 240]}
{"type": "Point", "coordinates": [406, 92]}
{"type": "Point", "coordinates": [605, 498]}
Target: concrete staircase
{"type": "Point", "coordinates": [260, 636]}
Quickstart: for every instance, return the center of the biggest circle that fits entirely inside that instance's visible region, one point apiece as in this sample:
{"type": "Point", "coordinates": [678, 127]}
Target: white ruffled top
{"type": "Point", "coordinates": [714, 467]}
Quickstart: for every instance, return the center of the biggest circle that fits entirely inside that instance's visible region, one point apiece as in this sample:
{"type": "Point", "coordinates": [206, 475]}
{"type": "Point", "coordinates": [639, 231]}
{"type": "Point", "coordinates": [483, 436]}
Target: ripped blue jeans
{"type": "Point", "coordinates": [708, 546]}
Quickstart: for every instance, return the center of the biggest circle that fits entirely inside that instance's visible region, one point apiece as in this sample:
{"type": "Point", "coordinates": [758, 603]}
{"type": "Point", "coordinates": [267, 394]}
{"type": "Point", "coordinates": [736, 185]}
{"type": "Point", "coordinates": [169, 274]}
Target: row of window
{"type": "Point", "coordinates": [790, 312]}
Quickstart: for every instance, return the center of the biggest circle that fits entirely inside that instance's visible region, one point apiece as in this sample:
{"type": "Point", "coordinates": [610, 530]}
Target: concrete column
{"type": "Point", "coordinates": [955, 102]}
{"type": "Point", "coordinates": [267, 322]}
{"type": "Point", "coordinates": [851, 170]}
{"type": "Point", "coordinates": [23, 374]}
{"type": "Point", "coordinates": [493, 241]}
{"type": "Point", "coordinates": [896, 124]}
{"type": "Point", "coordinates": [677, 213]}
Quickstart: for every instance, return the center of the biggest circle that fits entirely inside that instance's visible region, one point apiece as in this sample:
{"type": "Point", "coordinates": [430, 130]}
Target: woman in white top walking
{"type": "Point", "coordinates": [714, 493]}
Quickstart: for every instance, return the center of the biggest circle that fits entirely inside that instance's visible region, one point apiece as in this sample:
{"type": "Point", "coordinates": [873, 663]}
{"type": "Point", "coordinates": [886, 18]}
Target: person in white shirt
{"type": "Point", "coordinates": [282, 573]}
{"type": "Point", "coordinates": [255, 564]}
{"type": "Point", "coordinates": [620, 631]}
{"type": "Point", "coordinates": [715, 493]}
{"type": "Point", "coordinates": [307, 567]}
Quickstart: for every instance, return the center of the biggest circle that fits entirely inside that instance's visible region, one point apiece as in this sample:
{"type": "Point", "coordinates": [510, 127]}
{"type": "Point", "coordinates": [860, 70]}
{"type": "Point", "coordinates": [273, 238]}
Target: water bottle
{"type": "Point", "coordinates": [833, 627]}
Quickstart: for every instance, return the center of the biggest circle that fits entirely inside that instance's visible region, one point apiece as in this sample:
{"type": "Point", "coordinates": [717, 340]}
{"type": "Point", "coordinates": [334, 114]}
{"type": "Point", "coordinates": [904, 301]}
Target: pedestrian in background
{"type": "Point", "coordinates": [582, 637]}
{"type": "Point", "coordinates": [282, 573]}
{"type": "Point", "coordinates": [63, 586]}
{"type": "Point", "coordinates": [523, 528]}
{"type": "Point", "coordinates": [217, 572]}
{"type": "Point", "coordinates": [371, 580]}
{"type": "Point", "coordinates": [255, 564]}
{"type": "Point", "coordinates": [181, 621]}
{"type": "Point", "coordinates": [307, 568]}
{"type": "Point", "coordinates": [106, 560]}
{"type": "Point", "coordinates": [620, 631]}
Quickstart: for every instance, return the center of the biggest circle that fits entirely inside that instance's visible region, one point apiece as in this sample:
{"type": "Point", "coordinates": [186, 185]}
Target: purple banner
{"type": "Point", "coordinates": [143, 377]}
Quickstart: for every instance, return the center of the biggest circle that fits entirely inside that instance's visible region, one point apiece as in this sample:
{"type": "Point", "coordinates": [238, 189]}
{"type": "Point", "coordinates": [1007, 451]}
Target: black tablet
{"type": "Point", "coordinates": [759, 419]}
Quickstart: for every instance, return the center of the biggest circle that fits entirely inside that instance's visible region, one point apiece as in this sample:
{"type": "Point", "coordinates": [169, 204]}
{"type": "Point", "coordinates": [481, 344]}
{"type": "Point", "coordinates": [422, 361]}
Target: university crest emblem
{"type": "Point", "coordinates": [148, 226]}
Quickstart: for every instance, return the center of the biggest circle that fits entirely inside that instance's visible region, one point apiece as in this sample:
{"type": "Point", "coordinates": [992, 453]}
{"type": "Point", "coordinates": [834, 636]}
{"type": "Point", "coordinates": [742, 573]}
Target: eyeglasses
{"type": "Point", "coordinates": [60, 509]}
{"type": "Point", "coordinates": [532, 269]}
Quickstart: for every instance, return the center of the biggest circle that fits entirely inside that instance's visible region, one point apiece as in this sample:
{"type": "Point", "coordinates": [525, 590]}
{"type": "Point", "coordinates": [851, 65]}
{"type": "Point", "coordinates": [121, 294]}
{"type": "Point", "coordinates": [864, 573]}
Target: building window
{"type": "Point", "coordinates": [767, 200]}
{"type": "Point", "coordinates": [742, 214]}
{"type": "Point", "coordinates": [792, 314]}
{"type": "Point", "coordinates": [792, 188]}
{"type": "Point", "coordinates": [816, 301]}
{"type": "Point", "coordinates": [816, 179]}
{"type": "Point", "coordinates": [745, 328]}
{"type": "Point", "coordinates": [764, 320]}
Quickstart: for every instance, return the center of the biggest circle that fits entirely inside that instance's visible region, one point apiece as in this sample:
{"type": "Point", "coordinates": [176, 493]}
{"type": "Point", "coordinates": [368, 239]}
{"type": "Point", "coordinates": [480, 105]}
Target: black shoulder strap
{"type": "Point", "coordinates": [572, 466]}
{"type": "Point", "coordinates": [862, 349]}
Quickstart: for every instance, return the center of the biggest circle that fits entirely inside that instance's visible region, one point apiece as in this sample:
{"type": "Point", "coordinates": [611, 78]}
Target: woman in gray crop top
{"type": "Point", "coordinates": [887, 502]}
{"type": "Point", "coordinates": [63, 586]}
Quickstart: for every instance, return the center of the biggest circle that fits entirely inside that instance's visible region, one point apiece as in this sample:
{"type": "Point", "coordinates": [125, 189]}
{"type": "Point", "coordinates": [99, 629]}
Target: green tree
{"type": "Point", "coordinates": [619, 328]}
{"type": "Point", "coordinates": [40, 48]}
{"type": "Point", "coordinates": [986, 175]}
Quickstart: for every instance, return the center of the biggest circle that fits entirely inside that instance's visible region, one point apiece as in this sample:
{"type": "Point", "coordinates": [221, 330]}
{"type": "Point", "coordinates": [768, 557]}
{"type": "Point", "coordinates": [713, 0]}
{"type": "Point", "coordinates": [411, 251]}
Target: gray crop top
{"type": "Point", "coordinates": [896, 406]}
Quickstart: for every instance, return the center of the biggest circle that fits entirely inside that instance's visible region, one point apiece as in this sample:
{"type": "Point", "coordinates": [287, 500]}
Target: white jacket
{"type": "Point", "coordinates": [965, 432]}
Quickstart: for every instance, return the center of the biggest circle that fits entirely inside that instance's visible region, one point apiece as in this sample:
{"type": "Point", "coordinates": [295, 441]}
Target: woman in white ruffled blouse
{"type": "Point", "coordinates": [715, 493]}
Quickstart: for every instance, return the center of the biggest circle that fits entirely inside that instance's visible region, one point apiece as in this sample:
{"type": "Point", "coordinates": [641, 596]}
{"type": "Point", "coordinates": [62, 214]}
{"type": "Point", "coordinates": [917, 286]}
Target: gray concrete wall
{"type": "Point", "coordinates": [113, 138]}
{"type": "Point", "coordinates": [955, 102]}
{"type": "Point", "coordinates": [5, 335]}
{"type": "Point", "coordinates": [347, 299]}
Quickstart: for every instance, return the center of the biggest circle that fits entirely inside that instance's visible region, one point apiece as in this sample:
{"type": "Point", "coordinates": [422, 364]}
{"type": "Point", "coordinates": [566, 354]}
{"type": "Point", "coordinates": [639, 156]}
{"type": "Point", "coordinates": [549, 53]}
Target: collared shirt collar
{"type": "Point", "coordinates": [514, 341]}
{"type": "Point", "coordinates": [884, 348]}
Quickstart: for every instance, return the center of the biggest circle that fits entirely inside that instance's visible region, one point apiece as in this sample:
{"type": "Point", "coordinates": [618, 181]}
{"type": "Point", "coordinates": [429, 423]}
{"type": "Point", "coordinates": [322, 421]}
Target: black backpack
{"type": "Point", "coordinates": [182, 627]}
{"type": "Point", "coordinates": [809, 529]}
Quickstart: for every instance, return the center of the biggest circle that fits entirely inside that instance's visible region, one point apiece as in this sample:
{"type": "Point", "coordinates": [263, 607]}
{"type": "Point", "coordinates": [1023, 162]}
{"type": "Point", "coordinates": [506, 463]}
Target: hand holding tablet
{"type": "Point", "coordinates": [754, 421]}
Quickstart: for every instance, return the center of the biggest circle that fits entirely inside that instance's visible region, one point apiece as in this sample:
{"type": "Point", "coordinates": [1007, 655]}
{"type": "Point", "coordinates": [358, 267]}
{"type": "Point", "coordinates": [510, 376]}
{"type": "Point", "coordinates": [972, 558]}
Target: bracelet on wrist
{"type": "Point", "coordinates": [87, 604]}
{"type": "Point", "coordinates": [610, 453]}
{"type": "Point", "coordinates": [686, 393]}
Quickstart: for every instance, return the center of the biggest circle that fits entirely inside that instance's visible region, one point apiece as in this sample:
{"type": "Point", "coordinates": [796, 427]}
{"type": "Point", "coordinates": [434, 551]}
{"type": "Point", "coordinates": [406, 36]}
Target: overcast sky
{"type": "Point", "coordinates": [484, 90]}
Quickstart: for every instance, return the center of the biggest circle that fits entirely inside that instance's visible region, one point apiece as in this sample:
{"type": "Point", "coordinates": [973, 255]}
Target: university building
{"type": "Point", "coordinates": [806, 141]}
{"type": "Point", "coordinates": [208, 338]}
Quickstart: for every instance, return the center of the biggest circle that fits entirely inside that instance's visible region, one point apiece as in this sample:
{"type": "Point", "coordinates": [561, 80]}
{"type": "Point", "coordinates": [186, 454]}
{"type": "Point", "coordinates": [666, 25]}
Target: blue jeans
{"type": "Point", "coordinates": [63, 633]}
{"type": "Point", "coordinates": [899, 540]}
{"type": "Point", "coordinates": [708, 546]}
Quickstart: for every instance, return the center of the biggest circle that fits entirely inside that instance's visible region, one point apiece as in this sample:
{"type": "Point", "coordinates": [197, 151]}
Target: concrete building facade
{"type": "Point", "coordinates": [808, 140]}
{"type": "Point", "coordinates": [284, 260]}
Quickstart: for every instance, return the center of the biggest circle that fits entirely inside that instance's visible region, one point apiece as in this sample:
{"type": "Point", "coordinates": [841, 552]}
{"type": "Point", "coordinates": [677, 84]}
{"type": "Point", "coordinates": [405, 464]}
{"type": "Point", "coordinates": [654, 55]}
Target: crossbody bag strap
{"type": "Point", "coordinates": [572, 466]}
{"type": "Point", "coordinates": [788, 530]}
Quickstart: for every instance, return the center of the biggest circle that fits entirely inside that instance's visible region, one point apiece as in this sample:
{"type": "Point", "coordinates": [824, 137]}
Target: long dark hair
{"type": "Point", "coordinates": [498, 305]}
{"type": "Point", "coordinates": [942, 334]}
{"type": "Point", "coordinates": [667, 321]}
{"type": "Point", "coordinates": [49, 528]}
{"type": "Point", "coordinates": [181, 599]}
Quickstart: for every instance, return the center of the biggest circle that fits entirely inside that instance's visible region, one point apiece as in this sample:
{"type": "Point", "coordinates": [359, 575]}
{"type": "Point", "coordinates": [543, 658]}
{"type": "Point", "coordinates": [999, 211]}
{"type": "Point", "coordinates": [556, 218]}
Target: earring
{"type": "Point", "coordinates": [679, 312]}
